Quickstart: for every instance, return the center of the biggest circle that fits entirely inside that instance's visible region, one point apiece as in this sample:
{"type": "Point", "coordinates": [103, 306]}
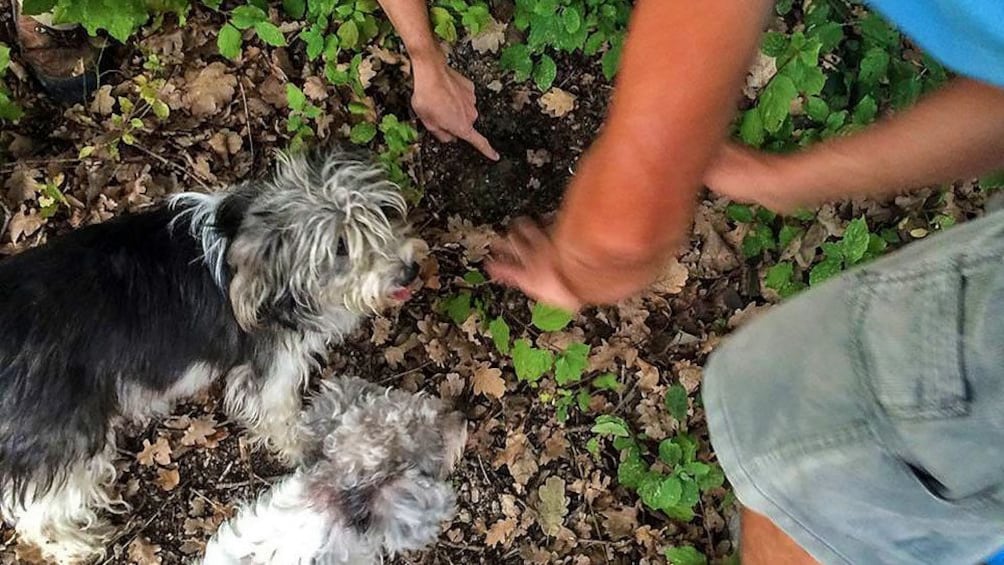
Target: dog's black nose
{"type": "Point", "coordinates": [409, 274]}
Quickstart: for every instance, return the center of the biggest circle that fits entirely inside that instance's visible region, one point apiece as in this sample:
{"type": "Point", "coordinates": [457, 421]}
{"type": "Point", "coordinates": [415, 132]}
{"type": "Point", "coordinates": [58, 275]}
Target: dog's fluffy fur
{"type": "Point", "coordinates": [373, 481]}
{"type": "Point", "coordinates": [122, 318]}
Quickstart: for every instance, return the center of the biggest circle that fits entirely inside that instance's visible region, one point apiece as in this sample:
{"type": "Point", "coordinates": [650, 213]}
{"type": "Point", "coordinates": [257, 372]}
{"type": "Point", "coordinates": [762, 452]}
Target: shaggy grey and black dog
{"type": "Point", "coordinates": [373, 481]}
{"type": "Point", "coordinates": [120, 319]}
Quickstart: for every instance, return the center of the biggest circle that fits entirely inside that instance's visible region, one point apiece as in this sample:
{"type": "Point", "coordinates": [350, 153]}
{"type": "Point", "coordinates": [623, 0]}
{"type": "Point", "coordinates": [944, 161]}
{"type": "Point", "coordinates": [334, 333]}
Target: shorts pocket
{"type": "Point", "coordinates": [909, 341]}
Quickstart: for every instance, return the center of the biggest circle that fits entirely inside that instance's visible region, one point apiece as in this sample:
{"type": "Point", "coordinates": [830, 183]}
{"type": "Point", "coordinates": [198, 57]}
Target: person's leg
{"type": "Point", "coordinates": [61, 57]}
{"type": "Point", "coordinates": [842, 416]}
{"type": "Point", "coordinates": [763, 543]}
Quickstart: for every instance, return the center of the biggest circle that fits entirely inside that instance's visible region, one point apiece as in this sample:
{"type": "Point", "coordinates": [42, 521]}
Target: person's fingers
{"type": "Point", "coordinates": [441, 135]}
{"type": "Point", "coordinates": [480, 143]}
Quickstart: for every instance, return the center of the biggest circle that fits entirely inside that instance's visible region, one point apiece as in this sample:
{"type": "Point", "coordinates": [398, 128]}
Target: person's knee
{"type": "Point", "coordinates": [764, 543]}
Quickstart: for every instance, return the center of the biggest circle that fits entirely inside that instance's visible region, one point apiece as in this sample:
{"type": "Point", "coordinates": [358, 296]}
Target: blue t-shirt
{"type": "Point", "coordinates": [967, 36]}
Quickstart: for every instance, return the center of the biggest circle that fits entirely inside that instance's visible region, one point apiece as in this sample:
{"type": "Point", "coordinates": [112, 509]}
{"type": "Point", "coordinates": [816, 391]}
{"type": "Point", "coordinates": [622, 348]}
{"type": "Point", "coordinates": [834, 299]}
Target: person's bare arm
{"type": "Point", "coordinates": [956, 132]}
{"type": "Point", "coordinates": [443, 99]}
{"type": "Point", "coordinates": [632, 197]}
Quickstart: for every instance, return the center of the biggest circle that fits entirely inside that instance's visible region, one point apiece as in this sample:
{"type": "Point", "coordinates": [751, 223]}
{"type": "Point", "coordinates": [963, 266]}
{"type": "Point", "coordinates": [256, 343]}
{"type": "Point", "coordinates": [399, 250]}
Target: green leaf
{"type": "Point", "coordinates": [779, 276]}
{"type": "Point", "coordinates": [313, 37]}
{"type": "Point", "coordinates": [228, 40]}
{"type": "Point", "coordinates": [361, 134]}
{"type": "Point", "coordinates": [751, 128]}
{"type": "Point", "coordinates": [829, 34]}
{"type": "Point", "coordinates": [774, 44]}
{"type": "Point", "coordinates": [583, 399]}
{"type": "Point", "coordinates": [270, 34]}
{"type": "Point", "coordinates": [499, 330]}
{"type": "Point", "coordinates": [659, 492]}
{"type": "Point", "coordinates": [120, 18]}
{"type": "Point", "coordinates": [572, 19]}
{"type": "Point", "coordinates": [4, 58]}
{"type": "Point", "coordinates": [593, 43]}
{"type": "Point", "coordinates": [855, 241]}
{"type": "Point", "coordinates": [295, 97]}
{"type": "Point", "coordinates": [443, 23]}
{"type": "Point", "coordinates": [247, 16]}
{"type": "Point", "coordinates": [775, 102]}
{"type": "Point", "coordinates": [788, 234]}
{"type": "Point", "coordinates": [817, 109]}
{"type": "Point", "coordinates": [549, 318]}
{"type": "Point", "coordinates": [865, 111]}
{"type": "Point", "coordinates": [36, 7]}
{"type": "Point", "coordinates": [632, 469]}
{"type": "Point", "coordinates": [571, 363]}
{"type": "Point", "coordinates": [474, 278]}
{"type": "Point", "coordinates": [992, 181]}
{"type": "Point", "coordinates": [874, 67]}
{"type": "Point", "coordinates": [713, 479]}
{"type": "Point", "coordinates": [782, 7]}
{"type": "Point", "coordinates": [877, 33]}
{"type": "Point", "coordinates": [545, 72]}
{"type": "Point", "coordinates": [685, 555]}
{"type": "Point", "coordinates": [680, 512]}
{"type": "Point", "coordinates": [670, 453]}
{"type": "Point", "coordinates": [676, 403]}
{"type": "Point", "coordinates": [516, 58]}
{"type": "Point", "coordinates": [740, 213]}
{"type": "Point", "coordinates": [593, 446]}
{"type": "Point", "coordinates": [688, 445]}
{"type": "Point", "coordinates": [458, 307]}
{"type": "Point", "coordinates": [530, 363]}
{"type": "Point", "coordinates": [606, 381]}
{"type": "Point", "coordinates": [295, 9]}
{"type": "Point", "coordinates": [348, 34]}
{"type": "Point", "coordinates": [607, 425]}
{"type": "Point", "coordinates": [612, 58]}
{"type": "Point", "coordinates": [825, 270]}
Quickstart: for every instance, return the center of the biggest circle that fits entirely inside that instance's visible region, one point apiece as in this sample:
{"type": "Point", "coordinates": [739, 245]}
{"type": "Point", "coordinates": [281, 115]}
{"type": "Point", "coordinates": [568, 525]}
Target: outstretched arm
{"type": "Point", "coordinates": [632, 198]}
{"type": "Point", "coordinates": [443, 99]}
{"type": "Point", "coordinates": [954, 133]}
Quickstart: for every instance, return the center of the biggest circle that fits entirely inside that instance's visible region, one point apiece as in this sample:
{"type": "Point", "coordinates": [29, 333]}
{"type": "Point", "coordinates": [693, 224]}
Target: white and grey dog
{"type": "Point", "coordinates": [373, 482]}
{"type": "Point", "coordinates": [120, 319]}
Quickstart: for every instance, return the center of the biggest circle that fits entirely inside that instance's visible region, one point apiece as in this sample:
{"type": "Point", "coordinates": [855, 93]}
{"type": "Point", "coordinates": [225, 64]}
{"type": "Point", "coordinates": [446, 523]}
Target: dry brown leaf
{"type": "Point", "coordinates": [538, 157]}
{"type": "Point", "coordinates": [605, 357]}
{"type": "Point", "coordinates": [555, 447]}
{"type": "Point", "coordinates": [647, 376]}
{"type": "Point", "coordinates": [394, 355]}
{"type": "Point", "coordinates": [198, 431]}
{"type": "Point", "coordinates": [620, 523]}
{"type": "Point", "coordinates": [23, 185]}
{"type": "Point", "coordinates": [24, 225]}
{"type": "Point", "coordinates": [489, 38]}
{"type": "Point", "coordinates": [315, 88]}
{"type": "Point", "coordinates": [142, 552]}
{"type": "Point", "coordinates": [520, 98]}
{"type": "Point", "coordinates": [381, 331]}
{"type": "Point", "coordinates": [192, 547]}
{"type": "Point", "coordinates": [104, 102]}
{"type": "Point", "coordinates": [488, 381]}
{"type": "Point", "coordinates": [159, 451]}
{"type": "Point", "coordinates": [763, 69]}
{"type": "Point", "coordinates": [557, 102]}
{"type": "Point", "coordinates": [452, 386]}
{"type": "Point", "coordinates": [716, 256]}
{"type": "Point", "coordinates": [167, 479]}
{"type": "Point", "coordinates": [519, 458]}
{"type": "Point", "coordinates": [688, 374]}
{"type": "Point", "coordinates": [209, 90]}
{"type": "Point", "coordinates": [499, 532]}
{"type": "Point", "coordinates": [553, 505]}
{"type": "Point", "coordinates": [366, 72]}
{"type": "Point", "coordinates": [672, 279]}
{"type": "Point", "coordinates": [27, 554]}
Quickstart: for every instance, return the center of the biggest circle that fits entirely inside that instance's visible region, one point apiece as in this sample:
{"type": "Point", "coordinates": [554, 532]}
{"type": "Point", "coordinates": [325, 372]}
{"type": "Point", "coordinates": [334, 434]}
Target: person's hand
{"type": "Point", "coordinates": [750, 176]}
{"type": "Point", "coordinates": [444, 100]}
{"type": "Point", "coordinates": [596, 253]}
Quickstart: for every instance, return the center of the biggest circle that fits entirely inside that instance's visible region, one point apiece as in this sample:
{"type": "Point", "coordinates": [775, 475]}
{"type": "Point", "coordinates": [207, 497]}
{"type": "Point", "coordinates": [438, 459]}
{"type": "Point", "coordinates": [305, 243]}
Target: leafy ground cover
{"type": "Point", "coordinates": [588, 442]}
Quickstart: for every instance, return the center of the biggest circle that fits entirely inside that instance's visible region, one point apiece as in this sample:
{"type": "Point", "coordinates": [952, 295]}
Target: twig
{"type": "Point", "coordinates": [175, 166]}
{"type": "Point", "coordinates": [408, 372]}
{"type": "Point", "coordinates": [479, 549]}
{"type": "Point", "coordinates": [247, 119]}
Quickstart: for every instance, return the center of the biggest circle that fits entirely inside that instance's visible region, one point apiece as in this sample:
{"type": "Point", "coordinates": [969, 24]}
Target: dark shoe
{"type": "Point", "coordinates": [64, 62]}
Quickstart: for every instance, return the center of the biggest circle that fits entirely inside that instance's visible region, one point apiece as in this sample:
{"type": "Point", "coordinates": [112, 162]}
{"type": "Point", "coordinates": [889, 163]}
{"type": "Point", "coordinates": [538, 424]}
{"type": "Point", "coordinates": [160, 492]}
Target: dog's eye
{"type": "Point", "coordinates": [343, 250]}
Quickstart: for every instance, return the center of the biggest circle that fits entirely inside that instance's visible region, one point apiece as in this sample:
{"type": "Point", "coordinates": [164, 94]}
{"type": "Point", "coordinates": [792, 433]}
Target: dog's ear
{"type": "Point", "coordinates": [232, 211]}
{"type": "Point", "coordinates": [273, 279]}
{"type": "Point", "coordinates": [408, 512]}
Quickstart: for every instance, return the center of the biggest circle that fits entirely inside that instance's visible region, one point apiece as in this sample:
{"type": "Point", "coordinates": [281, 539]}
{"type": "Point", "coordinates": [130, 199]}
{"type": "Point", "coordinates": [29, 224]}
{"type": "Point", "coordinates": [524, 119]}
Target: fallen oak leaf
{"type": "Point", "coordinates": [167, 479]}
{"type": "Point", "coordinates": [499, 532]}
{"type": "Point", "coordinates": [553, 505]}
{"type": "Point", "coordinates": [557, 102]}
{"type": "Point", "coordinates": [488, 381]}
{"type": "Point", "coordinates": [159, 451]}
{"type": "Point", "coordinates": [198, 431]}
{"type": "Point", "coordinates": [142, 552]}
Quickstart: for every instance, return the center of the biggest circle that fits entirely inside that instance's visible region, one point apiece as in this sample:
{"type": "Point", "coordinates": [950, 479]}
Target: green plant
{"type": "Point", "coordinates": [121, 18]}
{"type": "Point", "coordinates": [684, 555]}
{"type": "Point", "coordinates": [565, 26]}
{"type": "Point", "coordinates": [9, 110]}
{"type": "Point", "coordinates": [301, 113]}
{"type": "Point", "coordinates": [864, 71]}
{"type": "Point", "coordinates": [445, 14]}
{"type": "Point", "coordinates": [247, 17]}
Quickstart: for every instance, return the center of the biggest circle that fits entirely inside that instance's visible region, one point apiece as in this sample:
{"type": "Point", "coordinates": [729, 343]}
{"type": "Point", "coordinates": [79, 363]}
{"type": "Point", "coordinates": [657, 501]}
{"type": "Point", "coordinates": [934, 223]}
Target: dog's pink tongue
{"type": "Point", "coordinates": [402, 294]}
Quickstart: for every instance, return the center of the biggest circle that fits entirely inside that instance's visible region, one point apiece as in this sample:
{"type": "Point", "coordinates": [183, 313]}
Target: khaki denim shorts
{"type": "Point", "coordinates": [865, 417]}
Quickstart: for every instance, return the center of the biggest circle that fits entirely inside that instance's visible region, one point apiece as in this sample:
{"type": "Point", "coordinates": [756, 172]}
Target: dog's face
{"type": "Point", "coordinates": [323, 240]}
